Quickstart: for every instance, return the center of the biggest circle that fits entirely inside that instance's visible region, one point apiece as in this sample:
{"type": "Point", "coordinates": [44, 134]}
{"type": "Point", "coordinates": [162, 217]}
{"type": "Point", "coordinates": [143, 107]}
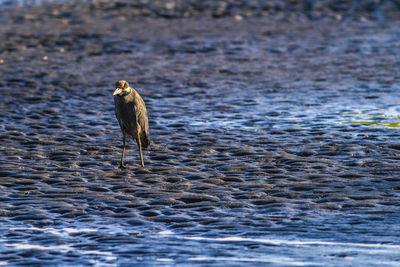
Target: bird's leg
{"type": "Point", "coordinates": [140, 150]}
{"type": "Point", "coordinates": [121, 165]}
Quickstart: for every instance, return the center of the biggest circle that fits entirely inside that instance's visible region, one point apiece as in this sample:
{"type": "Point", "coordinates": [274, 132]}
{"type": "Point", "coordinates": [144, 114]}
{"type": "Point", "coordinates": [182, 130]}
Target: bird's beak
{"type": "Point", "coordinates": [117, 91]}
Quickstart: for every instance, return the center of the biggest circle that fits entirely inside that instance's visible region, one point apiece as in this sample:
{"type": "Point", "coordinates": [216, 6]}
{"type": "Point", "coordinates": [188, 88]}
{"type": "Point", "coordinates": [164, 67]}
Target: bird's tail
{"type": "Point", "coordinates": [145, 140]}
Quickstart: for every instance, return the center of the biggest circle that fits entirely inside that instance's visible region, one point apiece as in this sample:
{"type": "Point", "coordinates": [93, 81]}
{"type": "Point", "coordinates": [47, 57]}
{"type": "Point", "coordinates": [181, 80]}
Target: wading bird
{"type": "Point", "coordinates": [131, 114]}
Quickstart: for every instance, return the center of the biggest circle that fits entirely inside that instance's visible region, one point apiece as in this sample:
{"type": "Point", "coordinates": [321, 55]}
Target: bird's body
{"type": "Point", "coordinates": [131, 114]}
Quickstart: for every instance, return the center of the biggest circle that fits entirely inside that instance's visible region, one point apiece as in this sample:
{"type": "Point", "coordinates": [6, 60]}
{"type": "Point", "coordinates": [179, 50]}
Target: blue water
{"type": "Point", "coordinates": [115, 244]}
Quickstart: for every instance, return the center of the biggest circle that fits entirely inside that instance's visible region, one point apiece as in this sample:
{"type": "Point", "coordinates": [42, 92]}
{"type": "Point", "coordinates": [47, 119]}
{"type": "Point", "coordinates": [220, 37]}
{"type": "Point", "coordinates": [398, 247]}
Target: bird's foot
{"type": "Point", "coordinates": [122, 166]}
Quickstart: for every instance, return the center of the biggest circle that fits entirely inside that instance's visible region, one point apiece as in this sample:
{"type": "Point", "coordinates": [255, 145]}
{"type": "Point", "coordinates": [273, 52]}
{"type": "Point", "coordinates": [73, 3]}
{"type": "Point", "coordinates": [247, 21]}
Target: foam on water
{"type": "Point", "coordinates": [62, 248]}
{"type": "Point", "coordinates": [268, 259]}
{"type": "Point", "coordinates": [296, 242]}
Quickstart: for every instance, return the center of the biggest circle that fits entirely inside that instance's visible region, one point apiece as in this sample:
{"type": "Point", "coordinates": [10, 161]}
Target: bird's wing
{"type": "Point", "coordinates": [142, 120]}
{"type": "Point", "coordinates": [141, 113]}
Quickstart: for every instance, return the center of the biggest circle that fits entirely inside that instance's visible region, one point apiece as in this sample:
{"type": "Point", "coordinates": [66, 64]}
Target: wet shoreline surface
{"type": "Point", "coordinates": [276, 140]}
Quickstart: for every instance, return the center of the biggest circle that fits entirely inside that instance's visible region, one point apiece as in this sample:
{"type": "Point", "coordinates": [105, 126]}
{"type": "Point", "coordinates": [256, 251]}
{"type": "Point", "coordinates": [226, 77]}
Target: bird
{"type": "Point", "coordinates": [131, 114]}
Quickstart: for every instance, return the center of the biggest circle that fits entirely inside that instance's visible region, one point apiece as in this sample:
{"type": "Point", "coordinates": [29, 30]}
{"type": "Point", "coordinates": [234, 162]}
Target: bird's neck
{"type": "Point", "coordinates": [127, 92]}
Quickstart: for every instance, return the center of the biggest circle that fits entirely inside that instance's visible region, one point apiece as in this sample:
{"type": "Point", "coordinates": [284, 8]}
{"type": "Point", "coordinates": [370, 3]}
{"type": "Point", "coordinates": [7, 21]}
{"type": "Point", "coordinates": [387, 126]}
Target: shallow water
{"type": "Point", "coordinates": [122, 244]}
{"type": "Point", "coordinates": [272, 143]}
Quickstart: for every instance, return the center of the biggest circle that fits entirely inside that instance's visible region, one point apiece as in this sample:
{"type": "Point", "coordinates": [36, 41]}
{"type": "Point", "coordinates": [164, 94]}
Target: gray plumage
{"type": "Point", "coordinates": [131, 114]}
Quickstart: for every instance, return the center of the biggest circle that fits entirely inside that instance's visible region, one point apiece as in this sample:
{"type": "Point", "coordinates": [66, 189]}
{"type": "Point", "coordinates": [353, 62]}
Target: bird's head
{"type": "Point", "coordinates": [122, 88]}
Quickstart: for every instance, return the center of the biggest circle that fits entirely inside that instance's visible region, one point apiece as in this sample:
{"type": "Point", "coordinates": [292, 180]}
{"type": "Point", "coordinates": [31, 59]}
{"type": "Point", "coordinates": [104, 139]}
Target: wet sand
{"type": "Point", "coordinates": [264, 126]}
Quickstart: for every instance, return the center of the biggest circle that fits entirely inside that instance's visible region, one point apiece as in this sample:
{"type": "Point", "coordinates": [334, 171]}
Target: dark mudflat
{"type": "Point", "coordinates": [277, 131]}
